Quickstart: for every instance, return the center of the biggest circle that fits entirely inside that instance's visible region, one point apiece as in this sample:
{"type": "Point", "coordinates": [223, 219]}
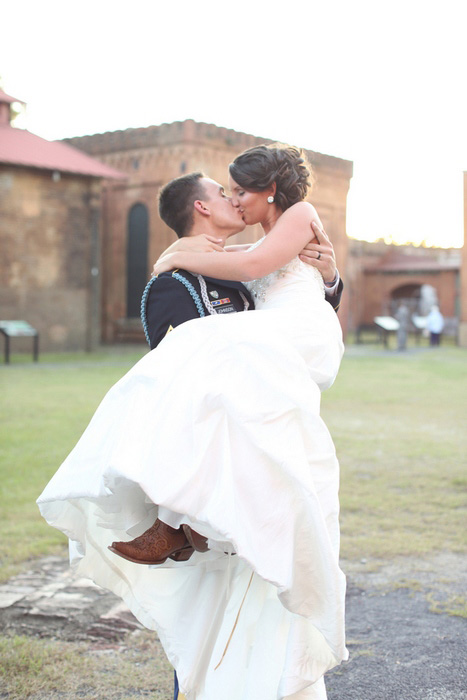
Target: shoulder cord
{"type": "Point", "coordinates": [144, 300]}
{"type": "Point", "coordinates": [208, 303]}
{"type": "Point", "coordinates": [204, 294]}
{"type": "Point", "coordinates": [246, 303]}
{"type": "Point", "coordinates": [191, 290]}
{"type": "Point", "coordinates": [194, 295]}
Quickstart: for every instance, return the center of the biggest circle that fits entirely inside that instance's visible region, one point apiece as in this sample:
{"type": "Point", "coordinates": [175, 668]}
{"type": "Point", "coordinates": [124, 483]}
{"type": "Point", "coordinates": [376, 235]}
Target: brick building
{"type": "Point", "coordinates": [463, 310]}
{"type": "Point", "coordinates": [49, 236]}
{"type": "Point", "coordinates": [80, 230]}
{"type": "Point", "coordinates": [133, 234]}
{"type": "Point", "coordinates": [379, 277]}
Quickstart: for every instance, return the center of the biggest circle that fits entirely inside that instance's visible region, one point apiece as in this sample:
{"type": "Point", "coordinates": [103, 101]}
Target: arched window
{"type": "Point", "coordinates": [136, 257]}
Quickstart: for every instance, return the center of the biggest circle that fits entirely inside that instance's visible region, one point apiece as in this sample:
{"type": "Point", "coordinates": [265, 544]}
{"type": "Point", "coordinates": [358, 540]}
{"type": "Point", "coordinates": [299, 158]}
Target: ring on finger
{"type": "Point", "coordinates": [319, 256]}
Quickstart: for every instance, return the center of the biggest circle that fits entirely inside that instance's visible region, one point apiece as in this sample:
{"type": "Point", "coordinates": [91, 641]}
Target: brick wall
{"type": "Point", "coordinates": [45, 266]}
{"type": "Point", "coordinates": [463, 293]}
{"type": "Point", "coordinates": [370, 290]}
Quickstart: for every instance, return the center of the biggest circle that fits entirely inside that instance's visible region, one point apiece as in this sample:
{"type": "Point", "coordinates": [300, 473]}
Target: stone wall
{"type": "Point", "coordinates": [49, 236]}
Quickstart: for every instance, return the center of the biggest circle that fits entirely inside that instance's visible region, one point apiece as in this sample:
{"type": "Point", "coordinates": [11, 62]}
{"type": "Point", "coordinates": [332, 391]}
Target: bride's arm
{"type": "Point", "coordinates": [202, 243]}
{"type": "Point", "coordinates": [285, 240]}
{"type": "Point", "coordinates": [237, 247]}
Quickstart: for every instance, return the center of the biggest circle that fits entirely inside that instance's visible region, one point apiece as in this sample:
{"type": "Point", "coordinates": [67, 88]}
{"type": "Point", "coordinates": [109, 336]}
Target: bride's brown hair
{"type": "Point", "coordinates": [257, 168]}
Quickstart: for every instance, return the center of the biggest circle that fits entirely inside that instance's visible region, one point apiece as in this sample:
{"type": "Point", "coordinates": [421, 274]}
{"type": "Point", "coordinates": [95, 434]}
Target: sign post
{"type": "Point", "coordinates": [19, 329]}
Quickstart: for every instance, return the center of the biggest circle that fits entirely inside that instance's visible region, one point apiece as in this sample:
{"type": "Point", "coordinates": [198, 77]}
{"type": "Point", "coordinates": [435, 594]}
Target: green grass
{"type": "Point", "coordinates": [398, 421]}
{"type": "Point", "coordinates": [44, 409]}
{"type": "Point", "coordinates": [36, 668]}
{"type": "Point", "coordinates": [452, 605]}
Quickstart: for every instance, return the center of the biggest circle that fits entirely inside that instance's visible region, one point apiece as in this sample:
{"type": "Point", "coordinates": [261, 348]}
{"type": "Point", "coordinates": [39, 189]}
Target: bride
{"type": "Point", "coordinates": [218, 430]}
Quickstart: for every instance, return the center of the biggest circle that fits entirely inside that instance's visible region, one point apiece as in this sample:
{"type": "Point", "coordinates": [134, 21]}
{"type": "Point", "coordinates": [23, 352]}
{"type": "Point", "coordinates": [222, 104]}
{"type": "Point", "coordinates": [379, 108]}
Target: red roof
{"type": "Point", "coordinates": [20, 147]}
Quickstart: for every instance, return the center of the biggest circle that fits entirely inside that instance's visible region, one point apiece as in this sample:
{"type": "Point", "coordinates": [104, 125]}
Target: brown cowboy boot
{"type": "Point", "coordinates": [154, 546]}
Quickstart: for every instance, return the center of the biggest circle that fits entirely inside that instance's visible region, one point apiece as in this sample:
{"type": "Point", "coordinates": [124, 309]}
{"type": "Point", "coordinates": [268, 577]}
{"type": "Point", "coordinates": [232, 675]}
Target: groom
{"type": "Point", "coordinates": [203, 217]}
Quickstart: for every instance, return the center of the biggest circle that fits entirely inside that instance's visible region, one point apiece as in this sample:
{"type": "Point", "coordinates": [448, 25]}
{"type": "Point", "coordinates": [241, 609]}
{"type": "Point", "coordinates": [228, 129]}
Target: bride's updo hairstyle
{"type": "Point", "coordinates": [257, 168]}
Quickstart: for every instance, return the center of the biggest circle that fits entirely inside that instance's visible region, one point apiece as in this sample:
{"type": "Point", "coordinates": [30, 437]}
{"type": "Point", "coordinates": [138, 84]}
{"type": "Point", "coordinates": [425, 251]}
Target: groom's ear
{"type": "Point", "coordinates": [201, 207]}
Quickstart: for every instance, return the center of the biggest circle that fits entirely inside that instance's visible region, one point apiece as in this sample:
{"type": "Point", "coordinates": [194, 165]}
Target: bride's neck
{"type": "Point", "coordinates": [270, 220]}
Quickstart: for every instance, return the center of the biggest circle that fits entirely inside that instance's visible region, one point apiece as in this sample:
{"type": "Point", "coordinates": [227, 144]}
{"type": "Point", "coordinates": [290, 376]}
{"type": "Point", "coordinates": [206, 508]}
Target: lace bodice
{"type": "Point", "coordinates": [258, 288]}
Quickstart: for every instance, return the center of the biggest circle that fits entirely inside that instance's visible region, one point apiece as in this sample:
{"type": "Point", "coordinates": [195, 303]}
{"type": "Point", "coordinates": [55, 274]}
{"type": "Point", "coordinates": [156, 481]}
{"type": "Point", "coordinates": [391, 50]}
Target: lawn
{"type": "Point", "coordinates": [398, 421]}
{"type": "Point", "coordinates": [399, 424]}
{"type": "Point", "coordinates": [44, 669]}
{"type": "Point", "coordinates": [44, 409]}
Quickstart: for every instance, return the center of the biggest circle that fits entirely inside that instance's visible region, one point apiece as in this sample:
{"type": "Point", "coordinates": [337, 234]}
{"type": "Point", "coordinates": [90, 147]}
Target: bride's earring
{"type": "Point", "coordinates": [270, 199]}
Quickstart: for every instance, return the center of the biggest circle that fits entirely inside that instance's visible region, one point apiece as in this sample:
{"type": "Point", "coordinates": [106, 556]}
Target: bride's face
{"type": "Point", "coordinates": [253, 206]}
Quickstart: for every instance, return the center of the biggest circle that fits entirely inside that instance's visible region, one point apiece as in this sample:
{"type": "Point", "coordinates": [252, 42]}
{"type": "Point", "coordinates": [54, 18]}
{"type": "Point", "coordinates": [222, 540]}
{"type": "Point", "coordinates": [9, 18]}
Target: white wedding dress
{"type": "Point", "coordinates": [220, 427]}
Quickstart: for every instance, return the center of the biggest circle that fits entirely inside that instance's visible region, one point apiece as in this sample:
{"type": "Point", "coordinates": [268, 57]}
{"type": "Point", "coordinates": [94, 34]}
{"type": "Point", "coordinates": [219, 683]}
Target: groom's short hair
{"type": "Point", "coordinates": [176, 201]}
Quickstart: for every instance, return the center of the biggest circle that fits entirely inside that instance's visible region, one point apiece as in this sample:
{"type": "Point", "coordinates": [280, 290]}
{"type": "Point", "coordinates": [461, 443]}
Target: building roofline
{"type": "Point", "coordinates": [22, 148]}
{"type": "Point", "coordinates": [413, 267]}
{"type": "Point", "coordinates": [188, 131]}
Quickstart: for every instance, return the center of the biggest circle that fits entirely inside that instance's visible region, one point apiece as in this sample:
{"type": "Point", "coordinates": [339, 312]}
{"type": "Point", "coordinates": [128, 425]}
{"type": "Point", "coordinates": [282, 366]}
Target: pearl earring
{"type": "Point", "coordinates": [270, 199]}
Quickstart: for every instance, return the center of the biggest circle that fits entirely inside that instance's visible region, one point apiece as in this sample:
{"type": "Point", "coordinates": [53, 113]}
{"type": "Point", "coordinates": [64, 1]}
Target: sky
{"type": "Point", "coordinates": [380, 83]}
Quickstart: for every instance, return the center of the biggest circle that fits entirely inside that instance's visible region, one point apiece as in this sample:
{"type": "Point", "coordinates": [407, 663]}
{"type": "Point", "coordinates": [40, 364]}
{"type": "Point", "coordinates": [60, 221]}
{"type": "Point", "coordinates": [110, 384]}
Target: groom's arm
{"type": "Point", "coordinates": [334, 293]}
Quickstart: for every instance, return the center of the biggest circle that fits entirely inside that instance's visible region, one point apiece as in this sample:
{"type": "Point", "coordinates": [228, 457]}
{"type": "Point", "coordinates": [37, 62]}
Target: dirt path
{"type": "Point", "coordinates": [400, 648]}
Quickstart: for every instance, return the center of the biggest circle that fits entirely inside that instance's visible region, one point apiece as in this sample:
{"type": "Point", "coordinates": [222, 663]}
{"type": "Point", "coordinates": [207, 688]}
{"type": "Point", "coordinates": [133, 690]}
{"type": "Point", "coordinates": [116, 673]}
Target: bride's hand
{"type": "Point", "coordinates": [164, 264]}
{"type": "Point", "coordinates": [198, 244]}
{"type": "Point", "coordinates": [202, 243]}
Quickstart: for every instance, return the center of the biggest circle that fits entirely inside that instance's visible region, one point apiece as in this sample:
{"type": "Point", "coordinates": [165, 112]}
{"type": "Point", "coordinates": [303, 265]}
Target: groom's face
{"type": "Point", "coordinates": [224, 216]}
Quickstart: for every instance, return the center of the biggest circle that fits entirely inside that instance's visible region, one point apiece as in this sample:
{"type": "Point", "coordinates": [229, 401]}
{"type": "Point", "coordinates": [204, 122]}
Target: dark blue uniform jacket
{"type": "Point", "coordinates": [169, 301]}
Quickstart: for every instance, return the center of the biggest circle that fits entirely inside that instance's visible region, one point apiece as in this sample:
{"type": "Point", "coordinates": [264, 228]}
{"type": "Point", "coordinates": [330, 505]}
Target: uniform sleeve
{"type": "Point", "coordinates": [335, 299]}
{"type": "Point", "coordinates": [169, 304]}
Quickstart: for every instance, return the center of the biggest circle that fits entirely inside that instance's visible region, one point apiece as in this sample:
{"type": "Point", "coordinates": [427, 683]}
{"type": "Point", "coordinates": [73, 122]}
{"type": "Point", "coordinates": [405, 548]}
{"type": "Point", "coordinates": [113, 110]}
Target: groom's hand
{"type": "Point", "coordinates": [319, 253]}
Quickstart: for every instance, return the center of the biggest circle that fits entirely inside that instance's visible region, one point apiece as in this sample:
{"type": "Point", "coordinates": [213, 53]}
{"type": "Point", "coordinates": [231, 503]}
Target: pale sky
{"type": "Point", "coordinates": [382, 83]}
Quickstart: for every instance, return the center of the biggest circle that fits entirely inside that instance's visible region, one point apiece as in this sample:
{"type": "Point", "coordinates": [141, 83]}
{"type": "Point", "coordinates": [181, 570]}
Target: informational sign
{"type": "Point", "coordinates": [419, 322]}
{"type": "Point", "coordinates": [17, 328]}
{"type": "Point", "coordinates": [387, 323]}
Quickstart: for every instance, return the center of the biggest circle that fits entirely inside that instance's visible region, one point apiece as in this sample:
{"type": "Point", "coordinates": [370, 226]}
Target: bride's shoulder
{"type": "Point", "coordinates": [299, 215]}
{"type": "Point", "coordinates": [304, 208]}
{"type": "Point", "coordinates": [300, 210]}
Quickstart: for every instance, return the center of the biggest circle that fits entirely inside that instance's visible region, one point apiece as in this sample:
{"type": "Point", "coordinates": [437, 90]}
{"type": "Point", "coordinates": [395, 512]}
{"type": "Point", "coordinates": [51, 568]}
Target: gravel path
{"type": "Point", "coordinates": [400, 649]}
